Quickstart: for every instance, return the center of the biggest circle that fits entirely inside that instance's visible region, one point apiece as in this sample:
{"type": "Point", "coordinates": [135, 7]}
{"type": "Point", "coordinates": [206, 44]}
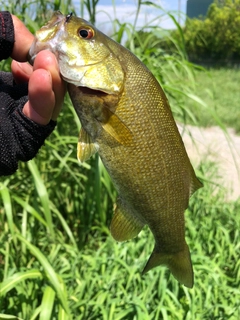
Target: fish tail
{"type": "Point", "coordinates": [178, 263]}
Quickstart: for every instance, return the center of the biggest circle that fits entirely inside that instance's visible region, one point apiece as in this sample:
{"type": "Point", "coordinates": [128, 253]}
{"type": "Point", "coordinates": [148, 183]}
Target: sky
{"type": "Point", "coordinates": [125, 11]}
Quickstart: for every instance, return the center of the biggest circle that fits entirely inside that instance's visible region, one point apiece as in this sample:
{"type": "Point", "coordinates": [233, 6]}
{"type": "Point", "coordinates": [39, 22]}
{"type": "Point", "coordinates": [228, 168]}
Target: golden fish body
{"type": "Point", "coordinates": [126, 117]}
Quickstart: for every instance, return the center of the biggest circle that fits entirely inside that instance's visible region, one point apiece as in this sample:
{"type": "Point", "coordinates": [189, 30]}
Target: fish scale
{"type": "Point", "coordinates": [126, 118]}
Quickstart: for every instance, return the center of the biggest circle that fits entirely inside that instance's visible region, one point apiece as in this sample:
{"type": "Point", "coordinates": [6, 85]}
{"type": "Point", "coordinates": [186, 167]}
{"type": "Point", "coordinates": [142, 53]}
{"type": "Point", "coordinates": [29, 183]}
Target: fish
{"type": "Point", "coordinates": [125, 116]}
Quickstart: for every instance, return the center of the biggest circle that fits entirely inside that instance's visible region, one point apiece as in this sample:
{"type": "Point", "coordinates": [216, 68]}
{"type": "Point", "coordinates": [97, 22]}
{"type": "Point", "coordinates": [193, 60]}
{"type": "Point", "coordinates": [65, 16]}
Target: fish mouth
{"type": "Point", "coordinates": [85, 89]}
{"type": "Point", "coordinates": [92, 92]}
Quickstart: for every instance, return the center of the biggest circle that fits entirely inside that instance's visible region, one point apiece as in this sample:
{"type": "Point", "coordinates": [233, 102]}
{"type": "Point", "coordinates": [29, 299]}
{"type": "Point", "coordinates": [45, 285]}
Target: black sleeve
{"type": "Point", "coordinates": [6, 34]}
{"type": "Point", "coordinates": [20, 137]}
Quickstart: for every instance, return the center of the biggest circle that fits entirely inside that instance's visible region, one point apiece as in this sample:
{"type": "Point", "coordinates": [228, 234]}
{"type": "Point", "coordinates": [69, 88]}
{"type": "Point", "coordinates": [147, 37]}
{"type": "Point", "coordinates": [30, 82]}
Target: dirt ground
{"type": "Point", "coordinates": [212, 144]}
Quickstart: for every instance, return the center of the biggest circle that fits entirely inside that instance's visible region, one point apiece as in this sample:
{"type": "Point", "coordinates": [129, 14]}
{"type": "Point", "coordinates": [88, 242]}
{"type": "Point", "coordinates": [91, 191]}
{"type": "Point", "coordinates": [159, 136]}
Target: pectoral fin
{"type": "Point", "coordinates": [117, 130]}
{"type": "Point", "coordinates": [178, 263]}
{"type": "Point", "coordinates": [86, 148]}
{"type": "Point", "coordinates": [124, 226]}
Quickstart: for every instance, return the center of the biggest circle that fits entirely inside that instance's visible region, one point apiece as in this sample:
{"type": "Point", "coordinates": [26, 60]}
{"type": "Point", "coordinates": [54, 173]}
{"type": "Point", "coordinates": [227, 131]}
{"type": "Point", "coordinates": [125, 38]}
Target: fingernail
{"type": "Point", "coordinates": [25, 67]}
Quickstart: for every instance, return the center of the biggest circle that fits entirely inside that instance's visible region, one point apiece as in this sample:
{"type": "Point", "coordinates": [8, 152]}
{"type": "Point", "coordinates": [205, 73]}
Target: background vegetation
{"type": "Point", "coordinates": [214, 39]}
{"type": "Point", "coordinates": [57, 259]}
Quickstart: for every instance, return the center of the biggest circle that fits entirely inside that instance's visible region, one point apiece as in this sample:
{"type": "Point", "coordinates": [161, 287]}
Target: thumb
{"type": "Point", "coordinates": [40, 105]}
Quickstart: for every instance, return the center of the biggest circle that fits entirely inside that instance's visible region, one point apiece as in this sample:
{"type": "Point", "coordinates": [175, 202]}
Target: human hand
{"type": "Point", "coordinates": [46, 88]}
{"type": "Point", "coordinates": [29, 103]}
{"type": "Point", "coordinates": [23, 40]}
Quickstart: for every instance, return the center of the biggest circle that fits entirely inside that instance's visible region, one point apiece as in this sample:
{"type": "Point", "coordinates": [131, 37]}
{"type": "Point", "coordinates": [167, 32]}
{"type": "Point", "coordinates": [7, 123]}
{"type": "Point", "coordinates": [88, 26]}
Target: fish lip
{"type": "Point", "coordinates": [91, 91]}
{"type": "Point", "coordinates": [58, 19]}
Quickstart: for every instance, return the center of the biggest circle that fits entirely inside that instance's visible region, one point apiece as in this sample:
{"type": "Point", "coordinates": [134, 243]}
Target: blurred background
{"type": "Point", "coordinates": [57, 258]}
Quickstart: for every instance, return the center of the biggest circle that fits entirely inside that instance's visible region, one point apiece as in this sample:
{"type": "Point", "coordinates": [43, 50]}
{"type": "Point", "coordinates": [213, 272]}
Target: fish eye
{"type": "Point", "coordinates": [85, 33]}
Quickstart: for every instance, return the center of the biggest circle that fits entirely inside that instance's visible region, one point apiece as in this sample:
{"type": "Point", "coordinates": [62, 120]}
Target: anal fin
{"type": "Point", "coordinates": [124, 226]}
{"type": "Point", "coordinates": [178, 263]}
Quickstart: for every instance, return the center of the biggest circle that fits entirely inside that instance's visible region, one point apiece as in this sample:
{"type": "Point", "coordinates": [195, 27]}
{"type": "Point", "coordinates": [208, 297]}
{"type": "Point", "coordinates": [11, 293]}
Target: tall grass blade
{"type": "Point", "coordinates": [62, 315]}
{"type": "Point", "coordinates": [47, 304]}
{"type": "Point", "coordinates": [64, 225]}
{"type": "Point", "coordinates": [17, 278]}
{"type": "Point", "coordinates": [53, 278]}
{"type": "Point", "coordinates": [9, 317]}
{"type": "Point", "coordinates": [36, 313]}
{"type": "Point", "coordinates": [8, 209]}
{"type": "Point", "coordinates": [43, 195]}
{"type": "Point", "coordinates": [26, 206]}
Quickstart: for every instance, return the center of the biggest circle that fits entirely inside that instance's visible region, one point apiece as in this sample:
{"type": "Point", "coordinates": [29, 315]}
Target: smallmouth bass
{"type": "Point", "coordinates": [126, 118]}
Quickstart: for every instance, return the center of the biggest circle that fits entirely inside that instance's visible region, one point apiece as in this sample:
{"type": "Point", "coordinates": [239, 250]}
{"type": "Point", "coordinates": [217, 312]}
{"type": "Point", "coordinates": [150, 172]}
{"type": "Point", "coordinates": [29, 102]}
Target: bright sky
{"type": "Point", "coordinates": [125, 11]}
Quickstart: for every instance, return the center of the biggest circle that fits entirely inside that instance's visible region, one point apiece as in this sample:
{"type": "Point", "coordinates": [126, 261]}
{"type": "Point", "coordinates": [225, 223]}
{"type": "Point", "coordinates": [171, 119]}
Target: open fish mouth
{"type": "Point", "coordinates": [90, 91]}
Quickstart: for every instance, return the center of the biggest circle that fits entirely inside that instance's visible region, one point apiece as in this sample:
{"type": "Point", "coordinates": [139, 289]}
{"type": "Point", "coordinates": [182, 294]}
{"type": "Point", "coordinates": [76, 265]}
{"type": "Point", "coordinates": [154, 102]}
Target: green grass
{"type": "Point", "coordinates": [51, 278]}
{"type": "Point", "coordinates": [219, 89]}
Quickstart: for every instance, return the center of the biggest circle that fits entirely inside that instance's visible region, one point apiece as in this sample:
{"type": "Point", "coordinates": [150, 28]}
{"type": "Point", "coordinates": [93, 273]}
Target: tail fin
{"type": "Point", "coordinates": [178, 263]}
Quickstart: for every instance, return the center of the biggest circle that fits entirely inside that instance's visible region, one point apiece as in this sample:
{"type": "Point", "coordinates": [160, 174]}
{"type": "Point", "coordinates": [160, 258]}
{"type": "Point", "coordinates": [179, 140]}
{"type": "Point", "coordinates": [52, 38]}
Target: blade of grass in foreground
{"type": "Point", "coordinates": [8, 209]}
{"type": "Point", "coordinates": [14, 280]}
{"type": "Point", "coordinates": [9, 317]}
{"type": "Point", "coordinates": [62, 315]}
{"type": "Point", "coordinates": [36, 313]}
{"type": "Point", "coordinates": [42, 193]}
{"type": "Point", "coordinates": [26, 206]}
{"type": "Point", "coordinates": [53, 278]}
{"type": "Point", "coordinates": [47, 304]}
{"type": "Point", "coordinates": [64, 224]}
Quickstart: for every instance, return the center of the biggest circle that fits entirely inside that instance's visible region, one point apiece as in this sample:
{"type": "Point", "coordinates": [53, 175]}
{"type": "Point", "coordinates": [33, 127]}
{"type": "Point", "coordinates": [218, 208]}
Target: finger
{"type": "Point", "coordinates": [23, 40]}
{"type": "Point", "coordinates": [41, 101]}
{"type": "Point", "coordinates": [46, 60]}
{"type": "Point", "coordinates": [21, 71]}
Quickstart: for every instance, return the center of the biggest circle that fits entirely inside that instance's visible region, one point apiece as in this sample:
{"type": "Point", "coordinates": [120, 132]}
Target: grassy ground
{"type": "Point", "coordinates": [220, 90]}
{"type": "Point", "coordinates": [45, 275]}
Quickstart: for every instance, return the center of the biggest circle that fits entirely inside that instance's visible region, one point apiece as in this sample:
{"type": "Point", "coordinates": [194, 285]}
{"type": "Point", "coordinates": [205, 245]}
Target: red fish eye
{"type": "Point", "coordinates": [85, 33]}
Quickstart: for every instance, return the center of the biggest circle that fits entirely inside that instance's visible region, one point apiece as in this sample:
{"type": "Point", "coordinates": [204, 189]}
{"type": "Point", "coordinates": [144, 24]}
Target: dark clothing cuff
{"type": "Point", "coordinates": [29, 135]}
{"type": "Point", "coordinates": [6, 34]}
{"type": "Point", "coordinates": [20, 140]}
